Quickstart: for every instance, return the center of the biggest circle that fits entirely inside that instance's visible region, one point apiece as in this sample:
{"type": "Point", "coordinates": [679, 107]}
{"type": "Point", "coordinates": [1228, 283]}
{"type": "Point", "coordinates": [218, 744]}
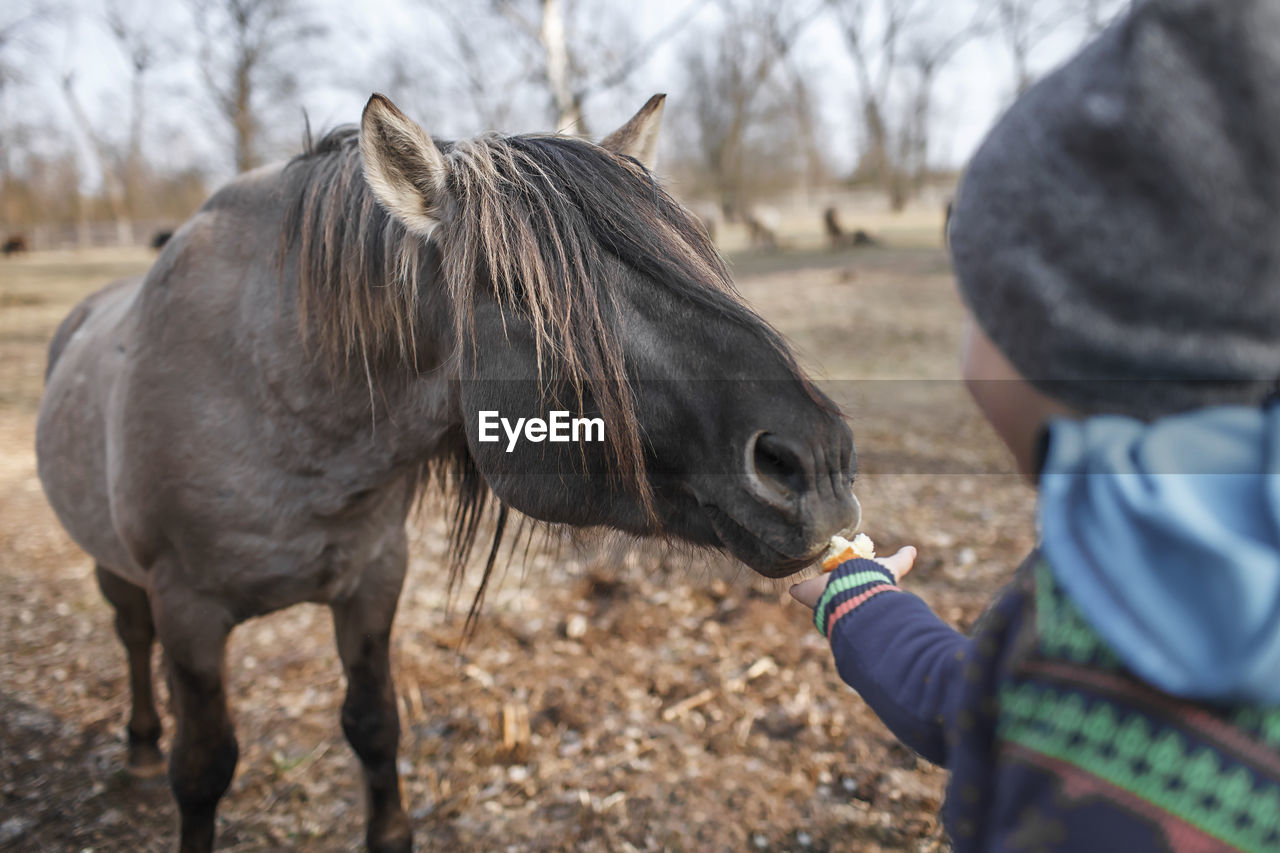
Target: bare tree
{"type": "Point", "coordinates": [46, 154]}
{"type": "Point", "coordinates": [17, 24]}
{"type": "Point", "coordinates": [721, 97]}
{"type": "Point", "coordinates": [250, 52]}
{"type": "Point", "coordinates": [573, 53]}
{"type": "Point", "coordinates": [132, 28]}
{"type": "Point", "coordinates": [551, 35]}
{"type": "Point", "coordinates": [783, 31]}
{"type": "Point", "coordinates": [1023, 25]}
{"type": "Point", "coordinates": [873, 33]}
{"type": "Point", "coordinates": [898, 48]}
{"type": "Point", "coordinates": [482, 81]}
{"type": "Point", "coordinates": [143, 47]}
{"type": "Point", "coordinates": [112, 187]}
{"type": "Point", "coordinates": [737, 84]}
{"type": "Point", "coordinates": [928, 50]}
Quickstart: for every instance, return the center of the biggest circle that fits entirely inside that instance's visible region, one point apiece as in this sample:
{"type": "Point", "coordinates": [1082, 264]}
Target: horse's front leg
{"type": "Point", "coordinates": [193, 631]}
{"type": "Point", "coordinates": [362, 624]}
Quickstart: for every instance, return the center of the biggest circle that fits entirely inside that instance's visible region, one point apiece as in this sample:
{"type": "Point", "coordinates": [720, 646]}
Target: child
{"type": "Point", "coordinates": [1117, 242]}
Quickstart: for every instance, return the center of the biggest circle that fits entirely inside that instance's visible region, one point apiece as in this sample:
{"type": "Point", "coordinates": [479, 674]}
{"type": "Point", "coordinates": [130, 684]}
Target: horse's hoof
{"type": "Point", "coordinates": [402, 844]}
{"type": "Point", "coordinates": [143, 772]}
{"type": "Point", "coordinates": [146, 763]}
{"type": "Point", "coordinates": [394, 836]}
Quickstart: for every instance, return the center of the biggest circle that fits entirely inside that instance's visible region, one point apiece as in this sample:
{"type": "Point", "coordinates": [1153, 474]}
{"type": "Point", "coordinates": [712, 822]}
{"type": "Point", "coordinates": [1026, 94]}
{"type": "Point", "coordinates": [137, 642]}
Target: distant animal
{"type": "Point", "coordinates": [838, 238]}
{"type": "Point", "coordinates": [160, 238]}
{"type": "Point", "coordinates": [831, 222]}
{"type": "Point", "coordinates": [15, 245]}
{"type": "Point", "coordinates": [247, 427]}
{"type": "Point", "coordinates": [762, 227]}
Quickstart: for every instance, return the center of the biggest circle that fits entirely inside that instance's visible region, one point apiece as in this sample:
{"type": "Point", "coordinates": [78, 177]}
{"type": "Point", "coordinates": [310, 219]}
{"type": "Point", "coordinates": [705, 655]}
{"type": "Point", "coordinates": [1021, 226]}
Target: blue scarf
{"type": "Point", "coordinates": [1167, 536]}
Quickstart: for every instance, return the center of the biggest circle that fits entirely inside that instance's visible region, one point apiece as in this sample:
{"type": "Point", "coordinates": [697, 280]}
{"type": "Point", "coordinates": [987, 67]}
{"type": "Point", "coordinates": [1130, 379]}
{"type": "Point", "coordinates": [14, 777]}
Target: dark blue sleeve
{"type": "Point", "coordinates": [904, 661]}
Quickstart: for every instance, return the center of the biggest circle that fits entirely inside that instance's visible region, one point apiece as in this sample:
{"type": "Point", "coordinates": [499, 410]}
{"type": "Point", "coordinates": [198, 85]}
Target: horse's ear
{"type": "Point", "coordinates": [404, 168]}
{"type": "Point", "coordinates": [638, 138]}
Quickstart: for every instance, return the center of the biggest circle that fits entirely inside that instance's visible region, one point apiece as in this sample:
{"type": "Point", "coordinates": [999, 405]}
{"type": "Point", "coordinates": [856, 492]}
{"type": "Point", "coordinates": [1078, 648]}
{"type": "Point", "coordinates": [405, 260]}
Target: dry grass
{"type": "Point", "coordinates": [671, 702]}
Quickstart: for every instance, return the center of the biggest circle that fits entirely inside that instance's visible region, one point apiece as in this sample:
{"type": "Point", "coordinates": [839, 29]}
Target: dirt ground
{"type": "Point", "coordinates": [673, 700]}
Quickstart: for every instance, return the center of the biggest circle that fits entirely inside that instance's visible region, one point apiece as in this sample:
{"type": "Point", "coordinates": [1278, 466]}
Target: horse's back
{"type": "Point", "coordinates": [130, 340]}
{"type": "Point", "coordinates": [85, 356]}
{"type": "Point", "coordinates": [72, 322]}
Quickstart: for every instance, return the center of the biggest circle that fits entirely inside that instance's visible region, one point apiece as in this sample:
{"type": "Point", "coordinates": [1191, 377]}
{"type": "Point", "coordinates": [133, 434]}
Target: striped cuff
{"type": "Point", "coordinates": [852, 584]}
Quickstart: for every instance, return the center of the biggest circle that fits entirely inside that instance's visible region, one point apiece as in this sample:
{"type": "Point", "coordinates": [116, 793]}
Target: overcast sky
{"type": "Point", "coordinates": [971, 92]}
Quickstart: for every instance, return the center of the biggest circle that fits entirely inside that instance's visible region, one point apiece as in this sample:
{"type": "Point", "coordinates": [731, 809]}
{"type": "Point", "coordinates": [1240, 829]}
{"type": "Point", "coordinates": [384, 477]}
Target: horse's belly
{"type": "Point", "coordinates": [72, 442]}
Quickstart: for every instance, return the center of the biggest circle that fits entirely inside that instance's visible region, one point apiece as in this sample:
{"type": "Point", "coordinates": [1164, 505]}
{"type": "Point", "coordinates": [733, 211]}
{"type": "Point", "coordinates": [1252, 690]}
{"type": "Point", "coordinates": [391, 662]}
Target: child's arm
{"type": "Point", "coordinates": [904, 661]}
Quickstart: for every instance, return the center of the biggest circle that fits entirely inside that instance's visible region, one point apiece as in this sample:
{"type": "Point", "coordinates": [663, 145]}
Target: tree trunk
{"type": "Point", "coordinates": [242, 120]}
{"type": "Point", "coordinates": [133, 168]}
{"type": "Point", "coordinates": [815, 172]}
{"type": "Point", "coordinates": [899, 191]}
{"type": "Point", "coordinates": [922, 109]}
{"type": "Point", "coordinates": [568, 105]}
{"type": "Point", "coordinates": [84, 230]}
{"type": "Point", "coordinates": [876, 157]}
{"type": "Point", "coordinates": [111, 186]}
{"type": "Point", "coordinates": [10, 209]}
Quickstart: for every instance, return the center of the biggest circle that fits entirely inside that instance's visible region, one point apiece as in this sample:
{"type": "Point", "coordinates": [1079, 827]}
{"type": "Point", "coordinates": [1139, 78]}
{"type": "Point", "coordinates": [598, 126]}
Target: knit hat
{"type": "Point", "coordinates": [1117, 236]}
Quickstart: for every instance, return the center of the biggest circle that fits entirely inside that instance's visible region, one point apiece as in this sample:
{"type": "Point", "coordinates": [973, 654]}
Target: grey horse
{"type": "Point", "coordinates": [248, 425]}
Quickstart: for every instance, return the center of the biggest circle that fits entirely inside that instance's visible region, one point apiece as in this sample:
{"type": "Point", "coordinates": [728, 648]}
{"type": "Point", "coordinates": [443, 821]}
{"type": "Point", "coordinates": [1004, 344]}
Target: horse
{"type": "Point", "coordinates": [248, 425]}
{"type": "Point", "coordinates": [15, 245]}
{"type": "Point", "coordinates": [838, 238]}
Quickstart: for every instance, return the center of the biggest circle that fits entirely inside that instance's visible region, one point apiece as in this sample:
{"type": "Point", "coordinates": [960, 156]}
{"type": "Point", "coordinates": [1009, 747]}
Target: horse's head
{"type": "Point", "coordinates": [579, 285]}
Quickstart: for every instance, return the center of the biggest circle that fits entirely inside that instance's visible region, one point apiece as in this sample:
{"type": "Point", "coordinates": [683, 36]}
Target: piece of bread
{"type": "Point", "coordinates": [842, 550]}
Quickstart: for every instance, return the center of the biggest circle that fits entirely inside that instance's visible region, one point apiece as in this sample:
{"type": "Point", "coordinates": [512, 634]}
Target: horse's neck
{"type": "Point", "coordinates": [401, 411]}
{"type": "Point", "coordinates": [395, 409]}
{"type": "Point", "coordinates": [336, 404]}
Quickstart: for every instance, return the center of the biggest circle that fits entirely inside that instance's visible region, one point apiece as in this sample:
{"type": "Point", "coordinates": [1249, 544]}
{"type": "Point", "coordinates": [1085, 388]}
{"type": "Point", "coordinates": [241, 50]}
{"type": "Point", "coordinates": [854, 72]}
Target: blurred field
{"type": "Point", "coordinates": [674, 701]}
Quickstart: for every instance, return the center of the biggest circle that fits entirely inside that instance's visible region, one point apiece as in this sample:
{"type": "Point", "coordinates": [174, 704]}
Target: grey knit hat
{"type": "Point", "coordinates": [1118, 233]}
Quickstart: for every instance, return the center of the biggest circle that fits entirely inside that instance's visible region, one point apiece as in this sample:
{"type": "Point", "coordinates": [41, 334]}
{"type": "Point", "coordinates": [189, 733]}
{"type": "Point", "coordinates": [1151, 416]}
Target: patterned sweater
{"type": "Point", "coordinates": [1051, 744]}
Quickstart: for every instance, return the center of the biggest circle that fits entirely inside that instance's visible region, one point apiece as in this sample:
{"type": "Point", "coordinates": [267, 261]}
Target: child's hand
{"type": "Point", "coordinates": [808, 592]}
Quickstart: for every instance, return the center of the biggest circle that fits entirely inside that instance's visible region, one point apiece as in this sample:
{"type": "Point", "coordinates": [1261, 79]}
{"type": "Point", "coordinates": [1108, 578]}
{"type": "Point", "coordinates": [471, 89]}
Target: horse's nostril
{"type": "Point", "coordinates": [777, 464]}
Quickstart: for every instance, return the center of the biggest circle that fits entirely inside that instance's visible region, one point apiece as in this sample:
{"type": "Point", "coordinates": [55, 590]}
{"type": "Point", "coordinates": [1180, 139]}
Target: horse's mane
{"type": "Point", "coordinates": [531, 221]}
